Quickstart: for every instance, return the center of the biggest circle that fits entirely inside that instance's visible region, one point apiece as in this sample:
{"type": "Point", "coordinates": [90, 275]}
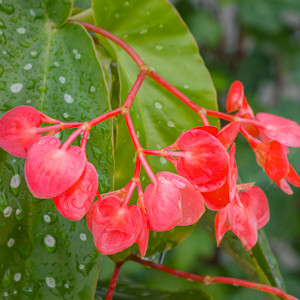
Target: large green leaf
{"type": "Point", "coordinates": [131, 291]}
{"type": "Point", "coordinates": [156, 32]}
{"type": "Point", "coordinates": [42, 254]}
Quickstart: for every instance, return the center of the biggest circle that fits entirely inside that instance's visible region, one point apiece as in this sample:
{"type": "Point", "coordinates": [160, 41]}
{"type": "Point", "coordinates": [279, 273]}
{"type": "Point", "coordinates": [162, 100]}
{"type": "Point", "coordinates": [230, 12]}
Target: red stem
{"type": "Point", "coordinates": [104, 117]}
{"type": "Point", "coordinates": [207, 280]}
{"type": "Point", "coordinates": [113, 281]}
{"type": "Point", "coordinates": [164, 153]}
{"type": "Point", "coordinates": [84, 140]}
{"type": "Point", "coordinates": [57, 127]}
{"type": "Point", "coordinates": [134, 90]}
{"type": "Point", "coordinates": [129, 194]}
{"type": "Point", "coordinates": [71, 138]}
{"type": "Point", "coordinates": [115, 39]}
{"type": "Point", "coordinates": [164, 83]}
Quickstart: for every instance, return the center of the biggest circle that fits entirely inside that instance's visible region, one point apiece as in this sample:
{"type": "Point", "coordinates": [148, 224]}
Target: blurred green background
{"type": "Point", "coordinates": [257, 42]}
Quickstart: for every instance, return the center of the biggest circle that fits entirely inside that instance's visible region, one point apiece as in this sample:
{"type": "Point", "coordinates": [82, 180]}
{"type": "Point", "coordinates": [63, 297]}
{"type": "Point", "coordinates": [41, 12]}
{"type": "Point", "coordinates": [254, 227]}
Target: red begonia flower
{"type": "Point", "coordinates": [143, 237]}
{"type": "Point", "coordinates": [114, 227]}
{"type": "Point", "coordinates": [74, 202]}
{"type": "Point", "coordinates": [260, 205]}
{"type": "Point", "coordinates": [235, 97]}
{"type": "Point", "coordinates": [221, 224]}
{"type": "Point", "coordinates": [205, 159]}
{"type": "Point", "coordinates": [242, 220]}
{"type": "Point", "coordinates": [50, 170]}
{"type": "Point", "coordinates": [172, 201]}
{"type": "Point", "coordinates": [191, 201]}
{"type": "Point", "coordinates": [220, 197]}
{"type": "Point", "coordinates": [18, 130]}
{"type": "Point", "coordinates": [285, 131]}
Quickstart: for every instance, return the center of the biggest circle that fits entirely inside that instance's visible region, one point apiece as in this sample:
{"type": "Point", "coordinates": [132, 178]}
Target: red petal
{"type": "Point", "coordinates": [272, 157]}
{"type": "Point", "coordinates": [242, 220]}
{"type": "Point", "coordinates": [115, 228]}
{"type": "Point", "coordinates": [17, 130]}
{"type": "Point", "coordinates": [217, 199]}
{"type": "Point", "coordinates": [221, 225]}
{"type": "Point", "coordinates": [283, 130]}
{"type": "Point", "coordinates": [228, 134]}
{"type": "Point", "coordinates": [74, 202]}
{"type": "Point", "coordinates": [143, 238]}
{"type": "Point", "coordinates": [90, 215]}
{"type": "Point", "coordinates": [260, 205]}
{"type": "Point", "coordinates": [213, 130]}
{"type": "Point", "coordinates": [191, 203]}
{"type": "Point", "coordinates": [284, 186]}
{"type": "Point", "coordinates": [292, 177]}
{"type": "Point", "coordinates": [50, 171]}
{"type": "Point", "coordinates": [162, 204]}
{"type": "Point", "coordinates": [205, 157]}
{"type": "Point", "coordinates": [235, 96]}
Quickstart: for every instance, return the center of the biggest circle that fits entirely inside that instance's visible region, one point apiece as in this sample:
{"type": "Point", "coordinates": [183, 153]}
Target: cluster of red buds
{"type": "Point", "coordinates": [204, 158]}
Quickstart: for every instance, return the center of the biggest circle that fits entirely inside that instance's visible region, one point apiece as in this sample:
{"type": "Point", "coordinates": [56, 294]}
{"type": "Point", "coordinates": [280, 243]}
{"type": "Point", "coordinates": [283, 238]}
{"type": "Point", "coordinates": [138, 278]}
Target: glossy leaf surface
{"type": "Point", "coordinates": [42, 254]}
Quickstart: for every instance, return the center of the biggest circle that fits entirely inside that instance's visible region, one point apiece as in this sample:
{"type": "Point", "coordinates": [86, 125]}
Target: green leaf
{"type": "Point", "coordinates": [258, 263]}
{"type": "Point", "coordinates": [57, 11]}
{"type": "Point", "coordinates": [125, 290]}
{"type": "Point", "coordinates": [158, 35]}
{"type": "Point", "coordinates": [42, 254]}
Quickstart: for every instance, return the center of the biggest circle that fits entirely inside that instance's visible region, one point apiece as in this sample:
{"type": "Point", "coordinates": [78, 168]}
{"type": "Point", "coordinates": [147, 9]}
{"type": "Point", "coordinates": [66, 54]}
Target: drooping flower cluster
{"type": "Point", "coordinates": [204, 158]}
{"type": "Point", "coordinates": [51, 170]}
{"type": "Point", "coordinates": [269, 136]}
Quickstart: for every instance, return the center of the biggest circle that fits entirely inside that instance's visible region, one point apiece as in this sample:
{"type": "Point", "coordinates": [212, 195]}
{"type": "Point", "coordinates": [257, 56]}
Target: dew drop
{"type": "Point", "coordinates": [16, 88]}
{"type": "Point", "coordinates": [143, 31]}
{"type": "Point", "coordinates": [127, 3]}
{"type": "Point", "coordinates": [15, 181]}
{"type": "Point", "coordinates": [50, 282]}
{"type": "Point", "coordinates": [62, 79]}
{"type": "Point", "coordinates": [163, 160]}
{"type": "Point", "coordinates": [92, 89]}
{"type": "Point", "coordinates": [66, 286]}
{"type": "Point", "coordinates": [158, 105]}
{"type": "Point", "coordinates": [28, 101]}
{"type": "Point", "coordinates": [17, 277]}
{"type": "Point", "coordinates": [5, 294]}
{"type": "Point", "coordinates": [47, 218]}
{"type": "Point", "coordinates": [32, 12]}
{"type": "Point", "coordinates": [117, 15]}
{"type": "Point", "coordinates": [161, 25]}
{"type": "Point", "coordinates": [28, 67]}
{"type": "Point", "coordinates": [171, 124]}
{"type": "Point", "coordinates": [49, 243]}
{"type": "Point", "coordinates": [10, 242]}
{"type": "Point", "coordinates": [56, 64]}
{"type": "Point", "coordinates": [65, 115]}
{"type": "Point", "coordinates": [68, 98]}
{"type": "Point", "coordinates": [21, 30]}
{"type": "Point", "coordinates": [34, 53]}
{"type": "Point", "coordinates": [7, 211]}
{"type": "Point", "coordinates": [159, 47]}
{"type": "Point", "coordinates": [186, 86]}
{"type": "Point", "coordinates": [81, 267]}
{"type": "Point", "coordinates": [83, 236]}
